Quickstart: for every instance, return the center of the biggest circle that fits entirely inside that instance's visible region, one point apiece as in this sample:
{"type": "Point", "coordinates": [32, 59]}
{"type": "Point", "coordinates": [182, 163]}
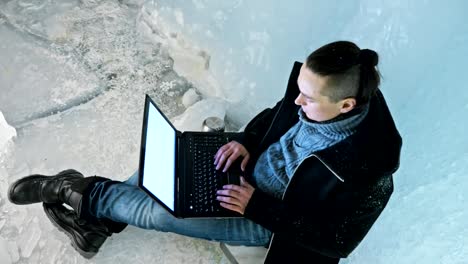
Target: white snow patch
{"type": "Point", "coordinates": [190, 97]}
{"type": "Point", "coordinates": [4, 254]}
{"type": "Point", "coordinates": [7, 133]}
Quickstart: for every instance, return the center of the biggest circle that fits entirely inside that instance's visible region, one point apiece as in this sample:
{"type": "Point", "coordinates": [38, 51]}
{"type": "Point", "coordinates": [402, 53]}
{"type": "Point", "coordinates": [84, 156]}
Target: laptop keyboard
{"type": "Point", "coordinates": [206, 179]}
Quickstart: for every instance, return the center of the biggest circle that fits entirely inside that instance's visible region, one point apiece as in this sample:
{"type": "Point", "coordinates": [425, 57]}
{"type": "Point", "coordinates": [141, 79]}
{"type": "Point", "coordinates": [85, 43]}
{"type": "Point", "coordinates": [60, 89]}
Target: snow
{"type": "Point", "coordinates": [4, 254]}
{"type": "Point", "coordinates": [74, 74]}
{"type": "Point", "coordinates": [7, 133]}
{"type": "Point", "coordinates": [29, 237]}
{"type": "Point", "coordinates": [190, 97]}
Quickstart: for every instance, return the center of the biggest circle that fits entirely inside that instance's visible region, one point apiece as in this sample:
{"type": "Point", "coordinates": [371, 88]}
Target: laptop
{"type": "Point", "coordinates": [176, 168]}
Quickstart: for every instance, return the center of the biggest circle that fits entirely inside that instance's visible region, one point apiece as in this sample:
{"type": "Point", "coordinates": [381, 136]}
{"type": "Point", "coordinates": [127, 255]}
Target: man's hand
{"type": "Point", "coordinates": [229, 153]}
{"type": "Point", "coordinates": [236, 197]}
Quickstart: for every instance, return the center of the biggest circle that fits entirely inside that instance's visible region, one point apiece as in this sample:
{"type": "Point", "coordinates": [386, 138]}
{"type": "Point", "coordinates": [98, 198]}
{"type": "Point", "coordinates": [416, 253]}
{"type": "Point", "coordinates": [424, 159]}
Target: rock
{"type": "Point", "coordinates": [190, 97]}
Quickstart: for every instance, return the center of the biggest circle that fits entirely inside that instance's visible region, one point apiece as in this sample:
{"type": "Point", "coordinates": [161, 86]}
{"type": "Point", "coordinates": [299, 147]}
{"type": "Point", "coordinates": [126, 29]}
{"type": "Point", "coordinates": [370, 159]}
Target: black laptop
{"type": "Point", "coordinates": [176, 169]}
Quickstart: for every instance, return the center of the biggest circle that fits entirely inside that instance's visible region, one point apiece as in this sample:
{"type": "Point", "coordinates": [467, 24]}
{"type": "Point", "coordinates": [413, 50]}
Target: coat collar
{"type": "Point", "coordinates": [373, 150]}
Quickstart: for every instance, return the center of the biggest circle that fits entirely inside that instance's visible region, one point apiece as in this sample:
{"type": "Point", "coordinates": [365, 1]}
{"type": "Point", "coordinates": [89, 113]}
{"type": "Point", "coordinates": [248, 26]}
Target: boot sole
{"type": "Point", "coordinates": [67, 230]}
{"type": "Point", "coordinates": [34, 177]}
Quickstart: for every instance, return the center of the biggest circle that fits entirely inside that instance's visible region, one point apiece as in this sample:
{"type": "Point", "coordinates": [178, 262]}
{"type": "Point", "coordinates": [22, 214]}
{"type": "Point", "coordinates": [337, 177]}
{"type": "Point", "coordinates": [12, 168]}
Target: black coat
{"type": "Point", "coordinates": [335, 195]}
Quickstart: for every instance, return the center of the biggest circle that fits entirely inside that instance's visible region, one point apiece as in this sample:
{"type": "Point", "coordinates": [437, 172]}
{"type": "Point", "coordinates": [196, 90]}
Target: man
{"type": "Point", "coordinates": [317, 172]}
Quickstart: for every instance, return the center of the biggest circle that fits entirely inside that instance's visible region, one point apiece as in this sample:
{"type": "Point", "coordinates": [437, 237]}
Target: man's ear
{"type": "Point", "coordinates": [347, 105]}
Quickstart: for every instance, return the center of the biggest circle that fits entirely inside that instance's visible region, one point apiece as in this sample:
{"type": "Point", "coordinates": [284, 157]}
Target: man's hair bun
{"type": "Point", "coordinates": [368, 57]}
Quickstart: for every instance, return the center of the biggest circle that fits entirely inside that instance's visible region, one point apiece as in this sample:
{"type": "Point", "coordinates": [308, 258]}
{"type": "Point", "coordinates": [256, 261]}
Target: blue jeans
{"type": "Point", "coordinates": [125, 202]}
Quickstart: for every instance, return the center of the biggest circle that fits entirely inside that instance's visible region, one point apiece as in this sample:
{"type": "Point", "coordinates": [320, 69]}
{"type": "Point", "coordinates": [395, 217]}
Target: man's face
{"type": "Point", "coordinates": [316, 106]}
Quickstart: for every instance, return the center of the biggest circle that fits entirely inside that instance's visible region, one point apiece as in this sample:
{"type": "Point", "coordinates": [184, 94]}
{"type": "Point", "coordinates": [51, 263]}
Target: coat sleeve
{"type": "Point", "coordinates": [296, 229]}
{"type": "Point", "coordinates": [270, 212]}
{"type": "Point", "coordinates": [306, 216]}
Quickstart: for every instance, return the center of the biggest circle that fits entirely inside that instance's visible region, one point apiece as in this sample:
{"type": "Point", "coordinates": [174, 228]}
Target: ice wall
{"type": "Point", "coordinates": [422, 46]}
{"type": "Point", "coordinates": [250, 45]}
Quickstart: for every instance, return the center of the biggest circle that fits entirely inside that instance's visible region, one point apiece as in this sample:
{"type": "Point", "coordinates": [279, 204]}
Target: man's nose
{"type": "Point", "coordinates": [298, 100]}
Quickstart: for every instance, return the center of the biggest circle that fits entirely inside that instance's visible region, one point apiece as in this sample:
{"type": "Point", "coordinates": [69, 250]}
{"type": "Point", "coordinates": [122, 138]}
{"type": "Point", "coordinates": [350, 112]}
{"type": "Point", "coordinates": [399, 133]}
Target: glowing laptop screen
{"type": "Point", "coordinates": [159, 166]}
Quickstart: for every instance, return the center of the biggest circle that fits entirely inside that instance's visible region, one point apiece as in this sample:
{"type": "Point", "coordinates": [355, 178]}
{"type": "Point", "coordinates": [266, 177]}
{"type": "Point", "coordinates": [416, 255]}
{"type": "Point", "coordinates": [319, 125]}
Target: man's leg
{"type": "Point", "coordinates": [126, 203]}
{"type": "Point", "coordinates": [65, 187]}
{"type": "Point", "coordinates": [133, 180]}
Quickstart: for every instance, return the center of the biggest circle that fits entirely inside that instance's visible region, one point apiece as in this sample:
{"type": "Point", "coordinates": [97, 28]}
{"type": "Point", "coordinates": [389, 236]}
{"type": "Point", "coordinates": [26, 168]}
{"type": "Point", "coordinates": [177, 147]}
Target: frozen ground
{"type": "Point", "coordinates": [73, 79]}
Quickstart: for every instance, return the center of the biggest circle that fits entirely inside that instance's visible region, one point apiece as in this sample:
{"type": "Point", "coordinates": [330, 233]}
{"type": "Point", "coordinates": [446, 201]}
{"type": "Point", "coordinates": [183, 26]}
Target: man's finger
{"type": "Point", "coordinates": [223, 158]}
{"type": "Point", "coordinates": [231, 207]}
{"type": "Point", "coordinates": [231, 193]}
{"type": "Point", "coordinates": [220, 151]}
{"type": "Point", "coordinates": [219, 154]}
{"type": "Point", "coordinates": [230, 160]}
{"type": "Point", "coordinates": [229, 199]}
{"type": "Point", "coordinates": [233, 187]}
{"type": "Point", "coordinates": [243, 181]}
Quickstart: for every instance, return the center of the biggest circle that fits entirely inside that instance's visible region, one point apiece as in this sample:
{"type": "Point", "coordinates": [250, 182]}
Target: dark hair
{"type": "Point", "coordinates": [351, 71]}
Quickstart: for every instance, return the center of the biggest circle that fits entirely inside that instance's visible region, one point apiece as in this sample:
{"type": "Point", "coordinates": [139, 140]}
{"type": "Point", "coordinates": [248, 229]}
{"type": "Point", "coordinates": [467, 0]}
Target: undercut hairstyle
{"type": "Point", "coordinates": [350, 72]}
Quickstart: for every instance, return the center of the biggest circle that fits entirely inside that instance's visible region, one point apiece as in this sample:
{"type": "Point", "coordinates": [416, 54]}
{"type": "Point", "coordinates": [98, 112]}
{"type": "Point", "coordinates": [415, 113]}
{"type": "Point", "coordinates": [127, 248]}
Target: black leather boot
{"type": "Point", "coordinates": [41, 188]}
{"type": "Point", "coordinates": [70, 187]}
{"type": "Point", "coordinates": [65, 187]}
{"type": "Point", "coordinates": [86, 237]}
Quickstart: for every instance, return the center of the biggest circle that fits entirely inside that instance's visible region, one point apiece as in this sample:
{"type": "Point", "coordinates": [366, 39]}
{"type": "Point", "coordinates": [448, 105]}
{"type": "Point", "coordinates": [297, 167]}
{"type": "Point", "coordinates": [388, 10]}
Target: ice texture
{"type": "Point", "coordinates": [12, 248]}
{"type": "Point", "coordinates": [73, 83]}
{"type": "Point", "coordinates": [7, 133]}
{"type": "Point", "coordinates": [29, 237]}
{"type": "Point", "coordinates": [4, 254]}
{"type": "Point", "coordinates": [74, 74]}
